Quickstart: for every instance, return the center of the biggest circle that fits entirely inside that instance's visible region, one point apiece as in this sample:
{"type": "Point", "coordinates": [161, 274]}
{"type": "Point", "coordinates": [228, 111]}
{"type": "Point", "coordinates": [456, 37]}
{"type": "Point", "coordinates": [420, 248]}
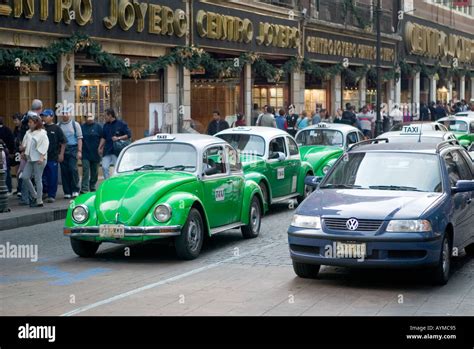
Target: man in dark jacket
{"type": "Point", "coordinates": [93, 133]}
{"type": "Point", "coordinates": [56, 149]}
{"type": "Point", "coordinates": [440, 112]}
{"type": "Point", "coordinates": [217, 124]}
{"type": "Point", "coordinates": [424, 112]}
{"type": "Point", "coordinates": [115, 130]}
{"type": "Point", "coordinates": [349, 117]}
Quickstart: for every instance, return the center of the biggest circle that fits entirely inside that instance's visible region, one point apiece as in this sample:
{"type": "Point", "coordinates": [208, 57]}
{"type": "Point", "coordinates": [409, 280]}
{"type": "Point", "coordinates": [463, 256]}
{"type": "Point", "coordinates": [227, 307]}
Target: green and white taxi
{"type": "Point", "coordinates": [178, 186]}
{"type": "Point", "coordinates": [271, 158]}
{"type": "Point", "coordinates": [322, 144]}
{"type": "Point", "coordinates": [462, 127]}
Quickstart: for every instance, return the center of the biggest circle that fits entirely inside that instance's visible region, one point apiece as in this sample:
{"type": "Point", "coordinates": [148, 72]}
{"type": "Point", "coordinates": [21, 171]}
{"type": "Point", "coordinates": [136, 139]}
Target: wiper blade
{"type": "Point", "coordinates": [394, 187]}
{"type": "Point", "coordinates": [342, 186]}
{"type": "Point", "coordinates": [147, 167]}
{"type": "Point", "coordinates": [178, 168]}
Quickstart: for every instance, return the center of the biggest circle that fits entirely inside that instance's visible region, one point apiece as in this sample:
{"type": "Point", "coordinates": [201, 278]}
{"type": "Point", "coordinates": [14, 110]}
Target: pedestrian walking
{"type": "Point", "coordinates": [304, 121]}
{"type": "Point", "coordinates": [281, 120]}
{"type": "Point", "coordinates": [267, 119]}
{"type": "Point", "coordinates": [69, 170]}
{"type": "Point", "coordinates": [366, 120]}
{"type": "Point", "coordinates": [396, 115]}
{"type": "Point", "coordinates": [56, 150]}
{"type": "Point", "coordinates": [217, 124]}
{"type": "Point", "coordinates": [291, 120]}
{"type": "Point", "coordinates": [35, 145]}
{"type": "Point", "coordinates": [6, 136]}
{"type": "Point", "coordinates": [254, 115]}
{"type": "Point", "coordinates": [240, 121]}
{"type": "Point", "coordinates": [115, 134]}
{"type": "Point", "coordinates": [93, 133]}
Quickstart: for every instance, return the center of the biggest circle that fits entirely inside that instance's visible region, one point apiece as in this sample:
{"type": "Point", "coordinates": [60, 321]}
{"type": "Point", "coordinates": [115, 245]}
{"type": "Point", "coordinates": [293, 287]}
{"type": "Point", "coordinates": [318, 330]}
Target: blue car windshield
{"type": "Point", "coordinates": [386, 171]}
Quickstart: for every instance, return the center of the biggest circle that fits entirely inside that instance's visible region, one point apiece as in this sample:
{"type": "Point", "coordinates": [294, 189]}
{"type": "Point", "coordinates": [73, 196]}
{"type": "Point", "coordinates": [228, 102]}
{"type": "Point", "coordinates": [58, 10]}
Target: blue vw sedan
{"type": "Point", "coordinates": [388, 205]}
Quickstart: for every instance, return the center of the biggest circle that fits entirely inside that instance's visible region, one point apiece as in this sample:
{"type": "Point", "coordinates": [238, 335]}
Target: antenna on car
{"type": "Point", "coordinates": [368, 141]}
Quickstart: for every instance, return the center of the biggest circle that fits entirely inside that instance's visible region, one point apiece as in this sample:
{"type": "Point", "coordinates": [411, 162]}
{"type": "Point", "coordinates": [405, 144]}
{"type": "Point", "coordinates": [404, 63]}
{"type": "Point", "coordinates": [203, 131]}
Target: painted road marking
{"type": "Point", "coordinates": [163, 282]}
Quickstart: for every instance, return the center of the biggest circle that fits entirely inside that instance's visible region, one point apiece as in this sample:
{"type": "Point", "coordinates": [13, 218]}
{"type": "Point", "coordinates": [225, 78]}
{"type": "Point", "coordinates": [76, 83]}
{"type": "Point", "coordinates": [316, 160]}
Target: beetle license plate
{"type": "Point", "coordinates": [350, 250]}
{"type": "Point", "coordinates": [112, 231]}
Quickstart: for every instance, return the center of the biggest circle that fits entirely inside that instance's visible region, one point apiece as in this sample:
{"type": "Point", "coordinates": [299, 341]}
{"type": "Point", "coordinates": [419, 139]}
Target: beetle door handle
{"type": "Point", "coordinates": [468, 201]}
{"type": "Point", "coordinates": [230, 181]}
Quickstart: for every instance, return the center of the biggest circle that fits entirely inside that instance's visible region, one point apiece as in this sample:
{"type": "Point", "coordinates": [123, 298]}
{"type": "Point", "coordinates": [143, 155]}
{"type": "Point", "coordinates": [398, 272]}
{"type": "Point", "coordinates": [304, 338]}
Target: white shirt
{"type": "Point", "coordinates": [396, 114]}
{"type": "Point", "coordinates": [36, 143]}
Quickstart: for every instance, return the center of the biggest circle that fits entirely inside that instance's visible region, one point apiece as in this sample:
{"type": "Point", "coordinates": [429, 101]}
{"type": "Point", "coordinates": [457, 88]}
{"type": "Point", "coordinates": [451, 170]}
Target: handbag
{"type": "Point", "coordinates": [120, 145]}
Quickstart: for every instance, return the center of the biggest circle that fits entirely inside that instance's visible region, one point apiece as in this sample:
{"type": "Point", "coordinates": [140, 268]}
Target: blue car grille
{"type": "Point", "coordinates": [364, 224]}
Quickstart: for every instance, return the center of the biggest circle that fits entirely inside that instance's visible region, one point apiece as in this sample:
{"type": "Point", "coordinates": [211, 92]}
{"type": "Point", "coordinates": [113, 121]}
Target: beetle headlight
{"type": "Point", "coordinates": [162, 213]}
{"type": "Point", "coordinates": [80, 214]}
{"type": "Point", "coordinates": [308, 222]}
{"type": "Point", "coordinates": [409, 226]}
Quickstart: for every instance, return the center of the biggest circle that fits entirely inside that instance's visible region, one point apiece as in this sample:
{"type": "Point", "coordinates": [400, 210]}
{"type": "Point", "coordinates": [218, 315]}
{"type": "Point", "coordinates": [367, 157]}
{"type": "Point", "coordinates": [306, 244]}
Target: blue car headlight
{"type": "Point", "coordinates": [307, 222]}
{"type": "Point", "coordinates": [409, 226]}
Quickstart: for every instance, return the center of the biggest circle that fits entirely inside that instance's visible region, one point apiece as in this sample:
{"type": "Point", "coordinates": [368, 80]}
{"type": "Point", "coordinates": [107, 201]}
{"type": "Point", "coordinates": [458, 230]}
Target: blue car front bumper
{"type": "Point", "coordinates": [391, 250]}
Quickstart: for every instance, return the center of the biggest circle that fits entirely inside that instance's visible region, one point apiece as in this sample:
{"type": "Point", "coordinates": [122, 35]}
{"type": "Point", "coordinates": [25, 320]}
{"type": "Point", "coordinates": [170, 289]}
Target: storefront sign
{"type": "Point", "coordinates": [147, 21]}
{"type": "Point", "coordinates": [330, 46]}
{"type": "Point", "coordinates": [222, 27]}
{"type": "Point", "coordinates": [435, 43]}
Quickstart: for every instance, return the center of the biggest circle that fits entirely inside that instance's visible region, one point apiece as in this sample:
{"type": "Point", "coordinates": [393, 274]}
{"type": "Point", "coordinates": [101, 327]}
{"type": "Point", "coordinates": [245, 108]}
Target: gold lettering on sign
{"type": "Point", "coordinates": [167, 18]}
{"type": "Point", "coordinates": [5, 9]}
{"type": "Point", "coordinates": [140, 10]}
{"type": "Point", "coordinates": [62, 11]}
{"type": "Point", "coordinates": [277, 35]}
{"type": "Point", "coordinates": [44, 11]}
{"type": "Point", "coordinates": [154, 22]}
{"type": "Point", "coordinates": [180, 23]}
{"type": "Point", "coordinates": [83, 11]}
{"type": "Point", "coordinates": [222, 27]}
{"type": "Point", "coordinates": [111, 21]}
{"type": "Point", "coordinates": [126, 14]}
{"type": "Point", "coordinates": [26, 7]}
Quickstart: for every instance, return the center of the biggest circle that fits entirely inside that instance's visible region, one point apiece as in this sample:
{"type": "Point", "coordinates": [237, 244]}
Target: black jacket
{"type": "Point", "coordinates": [216, 127]}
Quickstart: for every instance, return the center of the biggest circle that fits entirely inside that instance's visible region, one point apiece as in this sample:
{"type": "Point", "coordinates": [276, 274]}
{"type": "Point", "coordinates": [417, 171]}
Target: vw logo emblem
{"type": "Point", "coordinates": [352, 224]}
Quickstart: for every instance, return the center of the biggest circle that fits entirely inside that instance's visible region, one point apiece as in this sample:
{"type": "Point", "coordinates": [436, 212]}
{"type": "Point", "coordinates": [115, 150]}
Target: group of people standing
{"type": "Point", "coordinates": [38, 147]}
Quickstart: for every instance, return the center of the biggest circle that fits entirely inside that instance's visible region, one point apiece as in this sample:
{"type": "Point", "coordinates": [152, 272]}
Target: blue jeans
{"type": "Point", "coordinates": [107, 161]}
{"type": "Point", "coordinates": [50, 179]}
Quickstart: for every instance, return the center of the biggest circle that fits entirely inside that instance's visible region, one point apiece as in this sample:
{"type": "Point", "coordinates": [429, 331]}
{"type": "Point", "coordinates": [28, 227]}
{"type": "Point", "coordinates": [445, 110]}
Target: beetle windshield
{"type": "Point", "coordinates": [245, 143]}
{"type": "Point", "coordinates": [159, 156]}
{"type": "Point", "coordinates": [320, 137]}
{"type": "Point", "coordinates": [457, 125]}
{"type": "Point", "coordinates": [386, 171]}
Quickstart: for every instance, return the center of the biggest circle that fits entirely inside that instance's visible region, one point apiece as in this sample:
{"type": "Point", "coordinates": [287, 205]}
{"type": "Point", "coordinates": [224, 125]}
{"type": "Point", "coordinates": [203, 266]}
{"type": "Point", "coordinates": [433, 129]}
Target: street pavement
{"type": "Point", "coordinates": [232, 276]}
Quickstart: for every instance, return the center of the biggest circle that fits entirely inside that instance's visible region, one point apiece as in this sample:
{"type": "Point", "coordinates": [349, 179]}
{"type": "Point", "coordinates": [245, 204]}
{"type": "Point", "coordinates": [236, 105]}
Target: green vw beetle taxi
{"type": "Point", "coordinates": [271, 158]}
{"type": "Point", "coordinates": [462, 127]}
{"type": "Point", "coordinates": [322, 144]}
{"type": "Point", "coordinates": [178, 186]}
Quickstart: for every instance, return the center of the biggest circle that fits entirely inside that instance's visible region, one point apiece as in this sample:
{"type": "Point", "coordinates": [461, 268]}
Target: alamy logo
{"type": "Point", "coordinates": [37, 332]}
{"type": "Point", "coordinates": [352, 224]}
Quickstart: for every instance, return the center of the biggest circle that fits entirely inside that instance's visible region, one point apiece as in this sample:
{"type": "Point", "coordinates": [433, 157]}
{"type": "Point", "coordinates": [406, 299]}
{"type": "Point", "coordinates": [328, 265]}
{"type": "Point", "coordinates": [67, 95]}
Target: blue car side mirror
{"type": "Point", "coordinates": [463, 186]}
{"type": "Point", "coordinates": [312, 181]}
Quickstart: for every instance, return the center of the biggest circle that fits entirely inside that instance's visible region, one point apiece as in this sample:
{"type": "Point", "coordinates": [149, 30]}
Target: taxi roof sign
{"type": "Point", "coordinates": [411, 130]}
{"type": "Point", "coordinates": [163, 137]}
{"type": "Point", "coordinates": [241, 128]}
{"type": "Point", "coordinates": [322, 125]}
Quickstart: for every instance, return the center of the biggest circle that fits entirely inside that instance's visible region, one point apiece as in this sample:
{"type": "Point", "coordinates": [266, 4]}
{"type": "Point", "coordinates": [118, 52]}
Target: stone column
{"type": "Point", "coordinates": [472, 88]}
{"type": "Point", "coordinates": [297, 91]}
{"type": "Point", "coordinates": [398, 91]}
{"type": "Point", "coordinates": [65, 82]}
{"type": "Point", "coordinates": [433, 85]}
{"type": "Point", "coordinates": [450, 90]}
{"type": "Point", "coordinates": [248, 93]}
{"type": "Point", "coordinates": [171, 97]}
{"type": "Point", "coordinates": [416, 95]}
{"type": "Point", "coordinates": [462, 87]}
{"type": "Point", "coordinates": [336, 93]}
{"type": "Point", "coordinates": [362, 91]}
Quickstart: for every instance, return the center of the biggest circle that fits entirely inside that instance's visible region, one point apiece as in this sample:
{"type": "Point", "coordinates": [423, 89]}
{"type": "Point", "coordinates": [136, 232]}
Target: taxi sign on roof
{"type": "Point", "coordinates": [163, 137]}
{"type": "Point", "coordinates": [241, 128]}
{"type": "Point", "coordinates": [322, 125]}
{"type": "Point", "coordinates": [411, 130]}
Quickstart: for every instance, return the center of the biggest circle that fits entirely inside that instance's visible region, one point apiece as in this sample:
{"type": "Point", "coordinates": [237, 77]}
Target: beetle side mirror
{"type": "Point", "coordinates": [211, 171]}
{"type": "Point", "coordinates": [312, 181]}
{"type": "Point", "coordinates": [463, 186]}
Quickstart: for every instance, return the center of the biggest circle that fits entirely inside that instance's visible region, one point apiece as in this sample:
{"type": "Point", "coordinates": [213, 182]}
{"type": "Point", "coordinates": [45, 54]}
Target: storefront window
{"type": "Point", "coordinates": [94, 97]}
{"type": "Point", "coordinates": [314, 98]}
{"type": "Point", "coordinates": [273, 96]}
{"type": "Point", "coordinates": [351, 95]}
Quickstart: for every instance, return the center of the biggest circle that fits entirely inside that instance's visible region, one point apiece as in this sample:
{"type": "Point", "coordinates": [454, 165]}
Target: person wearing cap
{"type": "Point", "coordinates": [93, 134]}
{"type": "Point", "coordinates": [35, 145]}
{"type": "Point", "coordinates": [57, 146]}
{"type": "Point", "coordinates": [69, 170]}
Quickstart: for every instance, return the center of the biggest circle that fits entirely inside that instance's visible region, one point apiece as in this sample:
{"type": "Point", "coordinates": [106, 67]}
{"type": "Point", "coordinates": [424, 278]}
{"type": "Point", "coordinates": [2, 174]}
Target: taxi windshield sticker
{"type": "Point", "coordinates": [220, 194]}
{"type": "Point", "coordinates": [281, 173]}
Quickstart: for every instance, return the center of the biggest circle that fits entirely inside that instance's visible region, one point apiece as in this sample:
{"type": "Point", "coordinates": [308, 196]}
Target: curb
{"type": "Point", "coordinates": [22, 221]}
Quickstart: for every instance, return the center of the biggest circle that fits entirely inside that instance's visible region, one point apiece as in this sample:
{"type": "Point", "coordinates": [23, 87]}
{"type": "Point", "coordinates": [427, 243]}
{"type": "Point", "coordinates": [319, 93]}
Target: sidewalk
{"type": "Point", "coordinates": [25, 216]}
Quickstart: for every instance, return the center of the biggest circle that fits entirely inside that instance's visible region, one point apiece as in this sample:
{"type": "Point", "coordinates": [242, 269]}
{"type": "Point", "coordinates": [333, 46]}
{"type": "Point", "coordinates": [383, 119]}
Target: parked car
{"type": "Point", "coordinates": [462, 127]}
{"type": "Point", "coordinates": [322, 144]}
{"type": "Point", "coordinates": [414, 134]}
{"type": "Point", "coordinates": [424, 126]}
{"type": "Point", "coordinates": [469, 114]}
{"type": "Point", "coordinates": [168, 186]}
{"type": "Point", "coordinates": [271, 158]}
{"type": "Point", "coordinates": [388, 205]}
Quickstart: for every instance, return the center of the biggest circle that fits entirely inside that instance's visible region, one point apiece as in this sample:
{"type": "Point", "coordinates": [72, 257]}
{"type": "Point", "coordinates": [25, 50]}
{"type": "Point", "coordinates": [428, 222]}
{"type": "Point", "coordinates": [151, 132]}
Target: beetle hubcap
{"type": "Point", "coordinates": [194, 235]}
{"type": "Point", "coordinates": [255, 217]}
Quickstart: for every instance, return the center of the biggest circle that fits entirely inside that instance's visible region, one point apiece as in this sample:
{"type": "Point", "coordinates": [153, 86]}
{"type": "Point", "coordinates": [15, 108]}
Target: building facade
{"type": "Point", "coordinates": [323, 53]}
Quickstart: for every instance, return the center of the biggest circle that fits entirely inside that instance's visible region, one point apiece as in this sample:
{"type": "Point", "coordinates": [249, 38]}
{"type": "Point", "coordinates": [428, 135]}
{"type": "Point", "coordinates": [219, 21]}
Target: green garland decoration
{"type": "Point", "coordinates": [348, 7]}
